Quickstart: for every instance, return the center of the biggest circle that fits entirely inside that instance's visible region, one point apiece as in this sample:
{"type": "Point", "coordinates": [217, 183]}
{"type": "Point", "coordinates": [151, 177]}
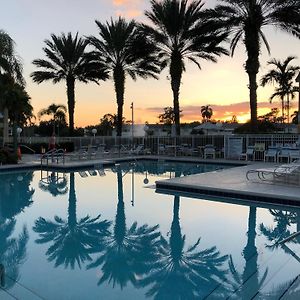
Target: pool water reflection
{"type": "Point", "coordinates": [70, 236]}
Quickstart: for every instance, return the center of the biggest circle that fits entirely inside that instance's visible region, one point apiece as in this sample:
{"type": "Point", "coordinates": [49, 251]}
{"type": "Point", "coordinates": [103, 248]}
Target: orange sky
{"type": "Point", "coordinates": [222, 85]}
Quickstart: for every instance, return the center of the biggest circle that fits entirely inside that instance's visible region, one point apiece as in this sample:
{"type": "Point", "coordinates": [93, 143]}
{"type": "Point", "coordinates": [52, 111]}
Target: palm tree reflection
{"type": "Point", "coordinates": [130, 252]}
{"type": "Point", "coordinates": [246, 284]}
{"type": "Point", "coordinates": [184, 274]}
{"type": "Point", "coordinates": [15, 195]}
{"type": "Point", "coordinates": [73, 241]}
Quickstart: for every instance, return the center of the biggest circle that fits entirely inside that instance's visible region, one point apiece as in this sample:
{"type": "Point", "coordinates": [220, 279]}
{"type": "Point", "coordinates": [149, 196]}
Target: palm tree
{"type": "Point", "coordinates": [206, 112]}
{"type": "Point", "coordinates": [126, 51]}
{"type": "Point", "coordinates": [73, 241]}
{"type": "Point", "coordinates": [182, 32]}
{"type": "Point", "coordinates": [68, 60]}
{"type": "Point", "coordinates": [57, 111]}
{"type": "Point", "coordinates": [180, 273]}
{"type": "Point", "coordinates": [283, 75]}
{"type": "Point", "coordinates": [130, 252]}
{"type": "Point", "coordinates": [244, 20]}
{"type": "Point", "coordinates": [11, 66]}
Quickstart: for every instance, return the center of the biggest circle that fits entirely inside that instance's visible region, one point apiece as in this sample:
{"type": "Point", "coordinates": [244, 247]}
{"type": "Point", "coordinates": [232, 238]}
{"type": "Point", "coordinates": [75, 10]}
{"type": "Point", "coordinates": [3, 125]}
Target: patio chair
{"type": "Point", "coordinates": [138, 150]}
{"type": "Point", "coordinates": [83, 174]}
{"type": "Point", "coordinates": [284, 154]}
{"type": "Point", "coordinates": [209, 151]}
{"type": "Point", "coordinates": [271, 152]}
{"type": "Point", "coordinates": [248, 154]}
{"type": "Point", "coordinates": [294, 155]}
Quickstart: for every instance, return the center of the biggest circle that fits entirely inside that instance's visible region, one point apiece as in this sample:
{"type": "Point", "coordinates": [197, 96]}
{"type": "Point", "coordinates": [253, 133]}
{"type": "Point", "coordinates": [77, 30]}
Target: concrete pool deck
{"type": "Point", "coordinates": [233, 183]}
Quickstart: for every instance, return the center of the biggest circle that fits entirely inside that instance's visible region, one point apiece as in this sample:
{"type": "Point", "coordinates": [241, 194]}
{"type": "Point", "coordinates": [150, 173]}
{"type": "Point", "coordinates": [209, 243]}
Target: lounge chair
{"type": "Point", "coordinates": [138, 150]}
{"type": "Point", "coordinates": [286, 173]}
{"type": "Point", "coordinates": [294, 155]}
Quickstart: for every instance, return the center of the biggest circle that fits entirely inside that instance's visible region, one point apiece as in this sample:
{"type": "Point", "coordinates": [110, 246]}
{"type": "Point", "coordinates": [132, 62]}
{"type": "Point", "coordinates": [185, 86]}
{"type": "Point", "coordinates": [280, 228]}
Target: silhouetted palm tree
{"type": "Point", "coordinates": [180, 273]}
{"type": "Point", "coordinates": [125, 51]}
{"type": "Point", "coordinates": [57, 111]}
{"type": "Point", "coordinates": [73, 241]}
{"type": "Point", "coordinates": [245, 20]}
{"type": "Point", "coordinates": [246, 284]}
{"type": "Point", "coordinates": [11, 70]}
{"type": "Point", "coordinates": [68, 60]}
{"type": "Point", "coordinates": [130, 252]}
{"type": "Point", "coordinates": [283, 75]}
{"type": "Point", "coordinates": [182, 32]}
{"type": "Point", "coordinates": [206, 112]}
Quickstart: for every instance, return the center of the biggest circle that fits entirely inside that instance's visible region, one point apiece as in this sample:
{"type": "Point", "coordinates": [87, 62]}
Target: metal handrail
{"type": "Point", "coordinates": [54, 154]}
{"type": "Point", "coordinates": [28, 148]}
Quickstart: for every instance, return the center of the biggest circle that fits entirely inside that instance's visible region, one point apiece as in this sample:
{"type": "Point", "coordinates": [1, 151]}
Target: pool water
{"type": "Point", "coordinates": [106, 234]}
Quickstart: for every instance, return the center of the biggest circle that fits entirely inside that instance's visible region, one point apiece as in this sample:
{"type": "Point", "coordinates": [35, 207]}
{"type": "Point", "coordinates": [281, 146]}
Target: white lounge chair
{"type": "Point", "coordinates": [286, 173]}
{"type": "Point", "coordinates": [294, 155]}
{"type": "Point", "coordinates": [284, 154]}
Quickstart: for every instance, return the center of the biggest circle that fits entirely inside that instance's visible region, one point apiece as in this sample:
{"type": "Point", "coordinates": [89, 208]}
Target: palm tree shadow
{"type": "Point", "coordinates": [130, 252]}
{"type": "Point", "coordinates": [73, 241]}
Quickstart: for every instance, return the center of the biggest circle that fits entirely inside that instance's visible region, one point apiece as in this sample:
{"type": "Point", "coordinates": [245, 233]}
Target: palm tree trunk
{"type": "Point", "coordinates": [252, 66]}
{"type": "Point", "coordinates": [119, 81]}
{"type": "Point", "coordinates": [176, 74]}
{"type": "Point", "coordinates": [288, 109]}
{"type": "Point", "coordinates": [71, 103]}
{"type": "Point", "coordinates": [72, 218]}
{"type": "Point", "coordinates": [282, 109]}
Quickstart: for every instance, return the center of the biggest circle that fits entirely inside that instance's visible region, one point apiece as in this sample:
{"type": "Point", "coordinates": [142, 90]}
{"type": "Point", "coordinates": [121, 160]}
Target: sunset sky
{"type": "Point", "coordinates": [223, 85]}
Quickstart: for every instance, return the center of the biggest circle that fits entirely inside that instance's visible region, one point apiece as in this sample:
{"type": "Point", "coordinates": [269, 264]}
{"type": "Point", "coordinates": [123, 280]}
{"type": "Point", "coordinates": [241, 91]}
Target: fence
{"type": "Point", "coordinates": [177, 145]}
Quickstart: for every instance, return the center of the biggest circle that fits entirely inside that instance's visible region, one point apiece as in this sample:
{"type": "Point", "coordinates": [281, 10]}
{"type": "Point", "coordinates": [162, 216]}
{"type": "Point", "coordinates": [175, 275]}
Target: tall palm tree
{"type": "Point", "coordinates": [57, 111]}
{"type": "Point", "coordinates": [68, 60]}
{"type": "Point", "coordinates": [11, 66]}
{"type": "Point", "coordinates": [181, 273]}
{"type": "Point", "coordinates": [126, 51]}
{"type": "Point", "coordinates": [283, 75]}
{"type": "Point", "coordinates": [182, 32]}
{"type": "Point", "coordinates": [130, 252]}
{"type": "Point", "coordinates": [206, 112]}
{"type": "Point", "coordinates": [244, 20]}
{"type": "Point", "coordinates": [73, 241]}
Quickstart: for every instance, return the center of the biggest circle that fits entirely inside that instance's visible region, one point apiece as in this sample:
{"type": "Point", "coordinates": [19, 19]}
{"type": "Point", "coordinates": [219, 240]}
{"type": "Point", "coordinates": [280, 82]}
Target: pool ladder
{"type": "Point", "coordinates": [54, 156]}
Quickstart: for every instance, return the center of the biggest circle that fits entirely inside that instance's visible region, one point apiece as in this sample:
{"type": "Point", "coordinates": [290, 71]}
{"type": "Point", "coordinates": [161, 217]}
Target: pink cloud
{"type": "Point", "coordinates": [128, 8]}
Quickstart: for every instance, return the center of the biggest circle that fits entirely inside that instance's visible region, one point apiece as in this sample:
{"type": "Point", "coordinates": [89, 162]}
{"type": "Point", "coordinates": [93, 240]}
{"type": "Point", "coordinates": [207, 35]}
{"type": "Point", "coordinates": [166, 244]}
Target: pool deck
{"type": "Point", "coordinates": [233, 183]}
{"type": "Point", "coordinates": [229, 183]}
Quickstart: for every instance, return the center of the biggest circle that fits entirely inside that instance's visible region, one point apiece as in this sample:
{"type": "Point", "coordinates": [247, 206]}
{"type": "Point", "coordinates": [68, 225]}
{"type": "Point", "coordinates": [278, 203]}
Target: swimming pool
{"type": "Point", "coordinates": [106, 234]}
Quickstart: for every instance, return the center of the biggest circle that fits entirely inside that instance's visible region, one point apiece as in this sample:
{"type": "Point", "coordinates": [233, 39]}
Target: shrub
{"type": "Point", "coordinates": [7, 157]}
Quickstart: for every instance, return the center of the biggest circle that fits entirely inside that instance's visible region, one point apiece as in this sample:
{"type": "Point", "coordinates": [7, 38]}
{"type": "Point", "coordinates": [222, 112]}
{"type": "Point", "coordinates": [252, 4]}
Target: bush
{"type": "Point", "coordinates": [7, 157]}
{"type": "Point", "coordinates": [262, 127]}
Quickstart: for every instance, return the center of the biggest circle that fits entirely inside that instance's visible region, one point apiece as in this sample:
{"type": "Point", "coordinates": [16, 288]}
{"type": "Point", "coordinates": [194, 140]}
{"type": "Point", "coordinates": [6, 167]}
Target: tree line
{"type": "Point", "coordinates": [177, 31]}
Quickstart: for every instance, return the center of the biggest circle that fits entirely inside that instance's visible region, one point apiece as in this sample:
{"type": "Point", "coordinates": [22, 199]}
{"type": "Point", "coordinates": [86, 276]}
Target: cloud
{"type": "Point", "coordinates": [221, 111]}
{"type": "Point", "coordinates": [128, 8]}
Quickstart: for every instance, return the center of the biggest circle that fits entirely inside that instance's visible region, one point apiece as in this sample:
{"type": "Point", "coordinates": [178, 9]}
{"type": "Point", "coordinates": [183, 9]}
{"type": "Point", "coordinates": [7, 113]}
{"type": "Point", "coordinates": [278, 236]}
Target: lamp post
{"type": "Point", "coordinates": [132, 122]}
{"type": "Point", "coordinates": [94, 131]}
{"type": "Point", "coordinates": [19, 130]}
{"type": "Point", "coordinates": [298, 80]}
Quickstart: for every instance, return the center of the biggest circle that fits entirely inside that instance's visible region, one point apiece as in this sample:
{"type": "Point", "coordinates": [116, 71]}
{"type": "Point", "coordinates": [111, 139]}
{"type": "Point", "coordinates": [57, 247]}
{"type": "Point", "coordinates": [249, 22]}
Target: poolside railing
{"type": "Point", "coordinates": [227, 146]}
